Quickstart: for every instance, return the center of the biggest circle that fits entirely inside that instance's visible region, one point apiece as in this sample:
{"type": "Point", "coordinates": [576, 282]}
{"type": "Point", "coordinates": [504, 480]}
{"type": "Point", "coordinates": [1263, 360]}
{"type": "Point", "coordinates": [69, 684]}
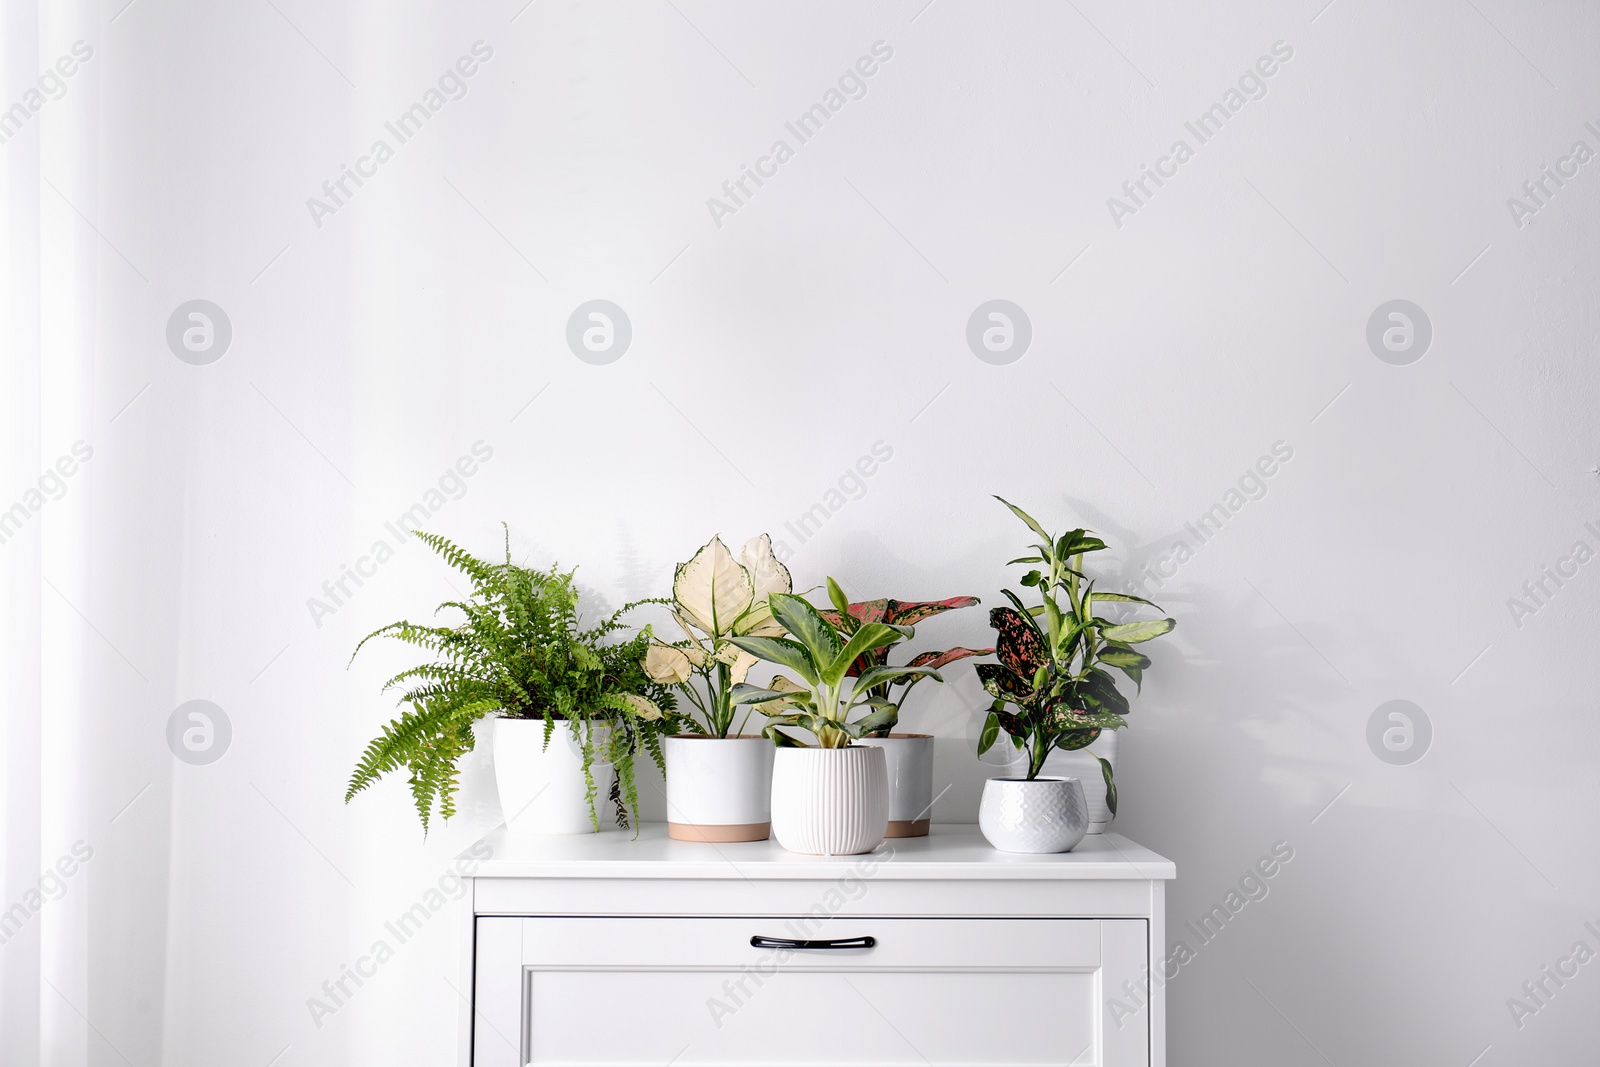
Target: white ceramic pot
{"type": "Point", "coordinates": [541, 788]}
{"type": "Point", "coordinates": [1084, 767]}
{"type": "Point", "coordinates": [909, 758]}
{"type": "Point", "coordinates": [830, 801]}
{"type": "Point", "coordinates": [1044, 815]}
{"type": "Point", "coordinates": [719, 788]}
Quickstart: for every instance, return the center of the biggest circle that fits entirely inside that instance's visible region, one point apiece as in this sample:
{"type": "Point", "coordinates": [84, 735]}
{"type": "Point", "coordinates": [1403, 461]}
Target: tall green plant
{"type": "Point", "coordinates": [716, 598]}
{"type": "Point", "coordinates": [821, 655]}
{"type": "Point", "coordinates": [519, 651]}
{"type": "Point", "coordinates": [1051, 688]}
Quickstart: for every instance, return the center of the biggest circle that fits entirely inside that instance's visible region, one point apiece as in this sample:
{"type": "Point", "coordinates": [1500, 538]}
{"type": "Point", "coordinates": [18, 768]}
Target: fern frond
{"type": "Point", "coordinates": [458, 557]}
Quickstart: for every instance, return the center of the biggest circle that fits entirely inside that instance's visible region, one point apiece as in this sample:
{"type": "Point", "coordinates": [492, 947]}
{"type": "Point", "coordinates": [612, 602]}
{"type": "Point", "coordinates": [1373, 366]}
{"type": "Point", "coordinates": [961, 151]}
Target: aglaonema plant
{"type": "Point", "coordinates": [820, 654]}
{"type": "Point", "coordinates": [716, 598]}
{"type": "Point", "coordinates": [1052, 688]}
{"type": "Point", "coordinates": [904, 613]}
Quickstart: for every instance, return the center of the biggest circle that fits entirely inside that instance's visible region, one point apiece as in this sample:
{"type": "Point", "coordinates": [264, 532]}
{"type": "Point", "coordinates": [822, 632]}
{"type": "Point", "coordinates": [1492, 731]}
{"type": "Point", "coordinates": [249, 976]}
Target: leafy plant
{"type": "Point", "coordinates": [821, 654]}
{"type": "Point", "coordinates": [519, 651]}
{"type": "Point", "coordinates": [716, 598]}
{"type": "Point", "coordinates": [904, 613]}
{"type": "Point", "coordinates": [1051, 688]}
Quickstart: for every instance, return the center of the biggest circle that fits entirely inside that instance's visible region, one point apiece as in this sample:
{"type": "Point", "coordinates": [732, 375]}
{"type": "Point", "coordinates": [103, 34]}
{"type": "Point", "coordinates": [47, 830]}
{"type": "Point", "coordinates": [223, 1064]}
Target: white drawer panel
{"type": "Point", "coordinates": [587, 992]}
{"type": "Point", "coordinates": [812, 1017]}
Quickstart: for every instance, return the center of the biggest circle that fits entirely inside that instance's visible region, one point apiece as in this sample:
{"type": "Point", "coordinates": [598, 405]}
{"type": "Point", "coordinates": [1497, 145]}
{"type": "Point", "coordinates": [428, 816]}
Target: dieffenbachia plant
{"type": "Point", "coordinates": [1051, 688]}
{"type": "Point", "coordinates": [716, 598]}
{"type": "Point", "coordinates": [904, 613]}
{"type": "Point", "coordinates": [821, 654]}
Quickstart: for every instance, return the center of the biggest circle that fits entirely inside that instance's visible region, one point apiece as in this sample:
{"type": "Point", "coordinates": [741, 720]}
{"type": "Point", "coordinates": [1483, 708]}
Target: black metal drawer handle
{"type": "Point", "coordinates": [758, 941]}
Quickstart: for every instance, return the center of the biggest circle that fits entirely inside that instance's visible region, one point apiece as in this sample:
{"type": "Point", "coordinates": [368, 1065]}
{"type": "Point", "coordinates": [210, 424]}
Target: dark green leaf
{"type": "Point", "coordinates": [1072, 740]}
{"type": "Point", "coordinates": [781, 739]}
{"type": "Point", "coordinates": [749, 694]}
{"type": "Point", "coordinates": [1111, 785]}
{"type": "Point", "coordinates": [879, 718]}
{"type": "Point", "coordinates": [782, 651]}
{"type": "Point", "coordinates": [990, 734]}
{"type": "Point", "coordinates": [874, 635]}
{"type": "Point", "coordinates": [1065, 542]}
{"type": "Point", "coordinates": [807, 626]}
{"type": "Point", "coordinates": [1002, 683]}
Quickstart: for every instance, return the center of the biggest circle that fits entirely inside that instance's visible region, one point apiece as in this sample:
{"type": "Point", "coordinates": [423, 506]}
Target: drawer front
{"type": "Point", "coordinates": [554, 992]}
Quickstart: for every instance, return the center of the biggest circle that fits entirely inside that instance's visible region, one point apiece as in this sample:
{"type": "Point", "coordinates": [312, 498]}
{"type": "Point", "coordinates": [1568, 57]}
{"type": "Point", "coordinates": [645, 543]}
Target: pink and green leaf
{"type": "Point", "coordinates": [909, 612]}
{"type": "Point", "coordinates": [949, 655]}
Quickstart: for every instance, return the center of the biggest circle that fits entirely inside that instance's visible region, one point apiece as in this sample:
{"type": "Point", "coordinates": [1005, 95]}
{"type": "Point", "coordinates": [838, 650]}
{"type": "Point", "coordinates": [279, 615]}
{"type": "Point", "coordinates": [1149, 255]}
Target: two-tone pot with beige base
{"type": "Point", "coordinates": [909, 759]}
{"type": "Point", "coordinates": [719, 788]}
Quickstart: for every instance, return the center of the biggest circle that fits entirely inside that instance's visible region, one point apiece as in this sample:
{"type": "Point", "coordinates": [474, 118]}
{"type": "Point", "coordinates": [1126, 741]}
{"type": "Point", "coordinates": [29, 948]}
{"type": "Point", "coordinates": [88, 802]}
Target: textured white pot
{"type": "Point", "coordinates": [1084, 767]}
{"type": "Point", "coordinates": [830, 801]}
{"type": "Point", "coordinates": [542, 790]}
{"type": "Point", "coordinates": [1044, 815]}
{"type": "Point", "coordinates": [909, 758]}
{"type": "Point", "coordinates": [719, 788]}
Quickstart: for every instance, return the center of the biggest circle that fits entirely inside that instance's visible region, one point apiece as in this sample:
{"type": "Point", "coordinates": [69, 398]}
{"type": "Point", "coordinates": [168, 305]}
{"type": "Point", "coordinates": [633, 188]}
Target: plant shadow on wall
{"type": "Point", "coordinates": [522, 653]}
{"type": "Point", "coordinates": [1256, 725]}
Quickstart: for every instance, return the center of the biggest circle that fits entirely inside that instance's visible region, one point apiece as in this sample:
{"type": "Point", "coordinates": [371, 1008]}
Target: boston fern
{"type": "Point", "coordinates": [518, 651]}
{"type": "Point", "coordinates": [1051, 688]}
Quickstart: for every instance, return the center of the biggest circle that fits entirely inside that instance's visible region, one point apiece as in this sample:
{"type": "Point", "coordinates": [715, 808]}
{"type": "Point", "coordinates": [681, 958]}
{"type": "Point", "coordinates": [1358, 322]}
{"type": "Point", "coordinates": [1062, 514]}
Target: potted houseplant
{"type": "Point", "coordinates": [719, 780]}
{"type": "Point", "coordinates": [572, 709]}
{"type": "Point", "coordinates": [909, 757]}
{"type": "Point", "coordinates": [1052, 690]}
{"type": "Point", "coordinates": [831, 799]}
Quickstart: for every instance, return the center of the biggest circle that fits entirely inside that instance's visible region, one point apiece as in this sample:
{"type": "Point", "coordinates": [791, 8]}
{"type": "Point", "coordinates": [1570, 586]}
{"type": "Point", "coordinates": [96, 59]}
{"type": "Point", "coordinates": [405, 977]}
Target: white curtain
{"type": "Point", "coordinates": [48, 312]}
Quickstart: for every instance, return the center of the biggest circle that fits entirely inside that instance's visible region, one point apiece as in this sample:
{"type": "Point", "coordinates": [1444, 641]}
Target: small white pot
{"type": "Point", "coordinates": [910, 765]}
{"type": "Point", "coordinates": [1083, 766]}
{"type": "Point", "coordinates": [719, 788]}
{"type": "Point", "coordinates": [541, 788]}
{"type": "Point", "coordinates": [1044, 815]}
{"type": "Point", "coordinates": [830, 801]}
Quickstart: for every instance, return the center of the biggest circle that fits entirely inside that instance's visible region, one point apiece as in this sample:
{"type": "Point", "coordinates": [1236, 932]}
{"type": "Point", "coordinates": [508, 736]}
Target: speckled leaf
{"type": "Point", "coordinates": [1019, 645]}
{"type": "Point", "coordinates": [1003, 683]}
{"type": "Point", "coordinates": [910, 612]}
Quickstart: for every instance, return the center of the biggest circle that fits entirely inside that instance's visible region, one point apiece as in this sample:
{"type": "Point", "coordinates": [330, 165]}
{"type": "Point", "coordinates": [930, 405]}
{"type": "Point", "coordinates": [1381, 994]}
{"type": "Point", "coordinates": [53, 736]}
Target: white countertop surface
{"type": "Point", "coordinates": [951, 851]}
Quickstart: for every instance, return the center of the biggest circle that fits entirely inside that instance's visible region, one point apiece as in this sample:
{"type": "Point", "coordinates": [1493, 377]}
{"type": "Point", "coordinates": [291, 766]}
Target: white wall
{"type": "Point", "coordinates": [1227, 314]}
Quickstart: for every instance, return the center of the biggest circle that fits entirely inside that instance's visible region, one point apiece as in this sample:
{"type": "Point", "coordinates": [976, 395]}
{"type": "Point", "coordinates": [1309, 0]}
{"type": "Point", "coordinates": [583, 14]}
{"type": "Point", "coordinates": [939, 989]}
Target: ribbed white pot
{"type": "Point", "coordinates": [909, 759]}
{"type": "Point", "coordinates": [1044, 815]}
{"type": "Point", "coordinates": [1083, 766]}
{"type": "Point", "coordinates": [719, 788]}
{"type": "Point", "coordinates": [541, 788]}
{"type": "Point", "coordinates": [830, 801]}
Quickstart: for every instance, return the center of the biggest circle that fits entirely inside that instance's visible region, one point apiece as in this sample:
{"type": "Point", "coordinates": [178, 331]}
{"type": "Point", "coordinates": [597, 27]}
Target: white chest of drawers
{"type": "Point", "coordinates": [609, 950]}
